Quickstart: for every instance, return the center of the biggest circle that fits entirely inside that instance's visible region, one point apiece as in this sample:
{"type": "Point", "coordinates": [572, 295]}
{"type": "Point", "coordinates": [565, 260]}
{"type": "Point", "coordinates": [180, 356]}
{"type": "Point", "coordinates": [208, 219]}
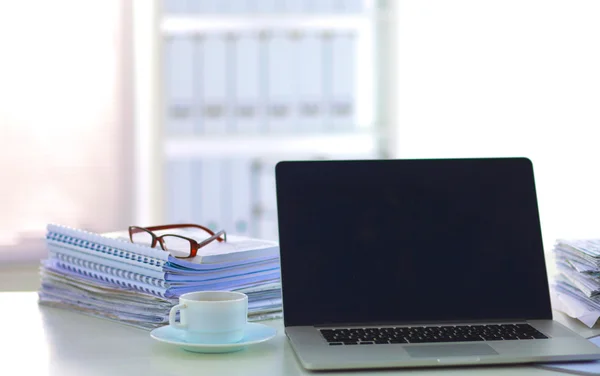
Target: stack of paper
{"type": "Point", "coordinates": [107, 276]}
{"type": "Point", "coordinates": [576, 291]}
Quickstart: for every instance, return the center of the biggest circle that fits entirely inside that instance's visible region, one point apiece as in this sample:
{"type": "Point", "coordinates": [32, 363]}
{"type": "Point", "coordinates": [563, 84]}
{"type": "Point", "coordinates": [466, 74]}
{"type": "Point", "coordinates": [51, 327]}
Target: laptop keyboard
{"type": "Point", "coordinates": [426, 334]}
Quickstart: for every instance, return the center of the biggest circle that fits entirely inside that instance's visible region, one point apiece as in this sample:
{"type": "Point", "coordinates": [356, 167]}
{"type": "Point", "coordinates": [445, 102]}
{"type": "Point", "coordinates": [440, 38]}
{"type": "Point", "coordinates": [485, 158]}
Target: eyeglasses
{"type": "Point", "coordinates": [177, 245]}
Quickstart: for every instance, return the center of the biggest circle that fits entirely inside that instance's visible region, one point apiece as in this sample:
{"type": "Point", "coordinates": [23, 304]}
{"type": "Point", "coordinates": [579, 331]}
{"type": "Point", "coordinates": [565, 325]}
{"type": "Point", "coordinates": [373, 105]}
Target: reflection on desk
{"type": "Point", "coordinates": [47, 341]}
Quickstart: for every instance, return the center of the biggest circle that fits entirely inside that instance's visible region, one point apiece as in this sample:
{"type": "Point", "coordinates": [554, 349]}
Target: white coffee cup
{"type": "Point", "coordinates": [211, 317]}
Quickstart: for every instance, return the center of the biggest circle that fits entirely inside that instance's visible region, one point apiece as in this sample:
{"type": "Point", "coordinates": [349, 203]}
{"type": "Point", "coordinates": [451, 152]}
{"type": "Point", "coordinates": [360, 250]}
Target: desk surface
{"type": "Point", "coordinates": [37, 340]}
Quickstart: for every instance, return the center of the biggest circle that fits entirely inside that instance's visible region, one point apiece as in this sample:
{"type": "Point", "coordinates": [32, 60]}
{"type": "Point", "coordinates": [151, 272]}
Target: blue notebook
{"type": "Point", "coordinates": [235, 250]}
{"type": "Point", "coordinates": [117, 261]}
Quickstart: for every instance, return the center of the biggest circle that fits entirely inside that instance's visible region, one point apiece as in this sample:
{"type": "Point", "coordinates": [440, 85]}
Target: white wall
{"type": "Point", "coordinates": [64, 121]}
{"type": "Point", "coordinates": [507, 78]}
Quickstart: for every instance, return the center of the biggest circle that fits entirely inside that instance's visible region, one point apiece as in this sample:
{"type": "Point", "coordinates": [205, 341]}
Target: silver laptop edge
{"type": "Point", "coordinates": [308, 192]}
{"type": "Point", "coordinates": [562, 345]}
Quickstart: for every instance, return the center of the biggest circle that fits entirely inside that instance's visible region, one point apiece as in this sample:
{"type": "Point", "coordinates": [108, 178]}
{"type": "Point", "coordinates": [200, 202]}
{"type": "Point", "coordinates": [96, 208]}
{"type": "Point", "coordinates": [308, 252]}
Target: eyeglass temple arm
{"type": "Point", "coordinates": [183, 225]}
{"type": "Point", "coordinates": [216, 236]}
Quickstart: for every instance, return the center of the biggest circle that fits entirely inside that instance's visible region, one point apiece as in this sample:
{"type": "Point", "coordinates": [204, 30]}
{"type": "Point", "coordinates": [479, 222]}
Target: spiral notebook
{"type": "Point", "coordinates": [102, 299]}
{"type": "Point", "coordinates": [114, 260]}
{"type": "Point", "coordinates": [237, 249]}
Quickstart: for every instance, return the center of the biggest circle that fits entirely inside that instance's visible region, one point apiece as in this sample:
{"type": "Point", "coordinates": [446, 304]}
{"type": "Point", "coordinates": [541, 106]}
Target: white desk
{"type": "Point", "coordinates": [37, 340]}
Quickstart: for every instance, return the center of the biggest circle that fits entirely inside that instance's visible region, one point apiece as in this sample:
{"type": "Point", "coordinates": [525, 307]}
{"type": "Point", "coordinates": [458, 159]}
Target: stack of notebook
{"type": "Point", "coordinates": [107, 276]}
{"type": "Point", "coordinates": [576, 290]}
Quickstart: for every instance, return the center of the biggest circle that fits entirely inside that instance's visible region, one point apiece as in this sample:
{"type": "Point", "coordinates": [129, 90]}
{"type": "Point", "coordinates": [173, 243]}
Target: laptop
{"type": "Point", "coordinates": [412, 263]}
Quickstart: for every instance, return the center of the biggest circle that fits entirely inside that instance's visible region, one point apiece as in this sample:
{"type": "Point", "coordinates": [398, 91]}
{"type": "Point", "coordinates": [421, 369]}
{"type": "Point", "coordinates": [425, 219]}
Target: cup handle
{"type": "Point", "coordinates": [172, 315]}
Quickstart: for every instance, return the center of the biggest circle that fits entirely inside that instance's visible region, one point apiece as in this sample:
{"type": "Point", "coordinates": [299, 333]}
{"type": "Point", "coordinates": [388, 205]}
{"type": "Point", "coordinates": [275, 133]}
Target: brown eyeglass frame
{"type": "Point", "coordinates": [194, 245]}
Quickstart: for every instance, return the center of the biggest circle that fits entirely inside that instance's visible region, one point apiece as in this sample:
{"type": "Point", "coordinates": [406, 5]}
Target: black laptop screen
{"type": "Point", "coordinates": [410, 241]}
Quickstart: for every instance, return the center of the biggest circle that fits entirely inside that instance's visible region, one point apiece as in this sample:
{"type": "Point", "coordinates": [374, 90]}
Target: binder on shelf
{"type": "Point", "coordinates": [215, 64]}
{"type": "Point", "coordinates": [309, 64]}
{"type": "Point", "coordinates": [198, 83]}
{"type": "Point", "coordinates": [179, 84]}
{"type": "Point", "coordinates": [280, 83]}
{"type": "Point", "coordinates": [176, 7]}
{"type": "Point", "coordinates": [322, 6]}
{"type": "Point", "coordinates": [195, 201]}
{"type": "Point", "coordinates": [267, 6]}
{"type": "Point", "coordinates": [179, 190]}
{"type": "Point", "coordinates": [341, 111]}
{"type": "Point", "coordinates": [234, 6]}
{"type": "Point", "coordinates": [226, 193]}
{"type": "Point", "coordinates": [264, 203]}
{"type": "Point", "coordinates": [353, 6]}
{"type": "Point", "coordinates": [295, 6]}
{"type": "Point", "coordinates": [203, 6]}
{"type": "Point", "coordinates": [247, 75]}
{"type": "Point", "coordinates": [208, 192]}
{"type": "Point", "coordinates": [268, 197]}
{"type": "Point", "coordinates": [240, 180]}
{"type": "Point", "coordinates": [267, 228]}
{"type": "Point", "coordinates": [331, 6]}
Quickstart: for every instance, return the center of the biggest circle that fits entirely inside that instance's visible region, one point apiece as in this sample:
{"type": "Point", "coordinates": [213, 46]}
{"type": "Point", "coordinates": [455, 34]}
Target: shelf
{"type": "Point", "coordinates": [194, 24]}
{"type": "Point", "coordinates": [353, 145]}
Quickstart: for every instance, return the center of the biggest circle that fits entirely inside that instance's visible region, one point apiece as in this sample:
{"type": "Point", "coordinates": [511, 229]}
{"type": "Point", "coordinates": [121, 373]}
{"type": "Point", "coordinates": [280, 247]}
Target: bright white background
{"type": "Point", "coordinates": [507, 78]}
{"type": "Point", "coordinates": [64, 123]}
{"type": "Point", "coordinates": [467, 77]}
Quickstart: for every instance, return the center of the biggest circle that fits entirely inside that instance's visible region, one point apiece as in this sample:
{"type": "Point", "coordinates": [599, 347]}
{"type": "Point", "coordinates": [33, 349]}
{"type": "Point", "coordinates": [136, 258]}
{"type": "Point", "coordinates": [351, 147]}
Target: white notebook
{"type": "Point", "coordinates": [245, 262]}
{"type": "Point", "coordinates": [237, 248]}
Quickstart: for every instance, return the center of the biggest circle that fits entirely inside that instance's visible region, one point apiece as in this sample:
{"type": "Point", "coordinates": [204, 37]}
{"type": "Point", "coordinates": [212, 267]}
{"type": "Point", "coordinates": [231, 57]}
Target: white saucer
{"type": "Point", "coordinates": [254, 333]}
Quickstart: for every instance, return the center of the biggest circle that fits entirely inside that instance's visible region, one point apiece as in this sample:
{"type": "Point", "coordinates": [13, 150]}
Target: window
{"type": "Point", "coordinates": [63, 118]}
{"type": "Point", "coordinates": [501, 78]}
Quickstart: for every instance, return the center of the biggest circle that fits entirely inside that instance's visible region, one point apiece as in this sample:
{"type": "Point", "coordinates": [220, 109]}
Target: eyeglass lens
{"type": "Point", "coordinates": [142, 237]}
{"type": "Point", "coordinates": [177, 246]}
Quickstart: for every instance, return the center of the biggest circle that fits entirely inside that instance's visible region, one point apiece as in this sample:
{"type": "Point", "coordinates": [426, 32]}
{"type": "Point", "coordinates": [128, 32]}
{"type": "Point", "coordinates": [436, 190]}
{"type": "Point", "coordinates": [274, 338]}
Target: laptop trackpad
{"type": "Point", "coordinates": [440, 351]}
